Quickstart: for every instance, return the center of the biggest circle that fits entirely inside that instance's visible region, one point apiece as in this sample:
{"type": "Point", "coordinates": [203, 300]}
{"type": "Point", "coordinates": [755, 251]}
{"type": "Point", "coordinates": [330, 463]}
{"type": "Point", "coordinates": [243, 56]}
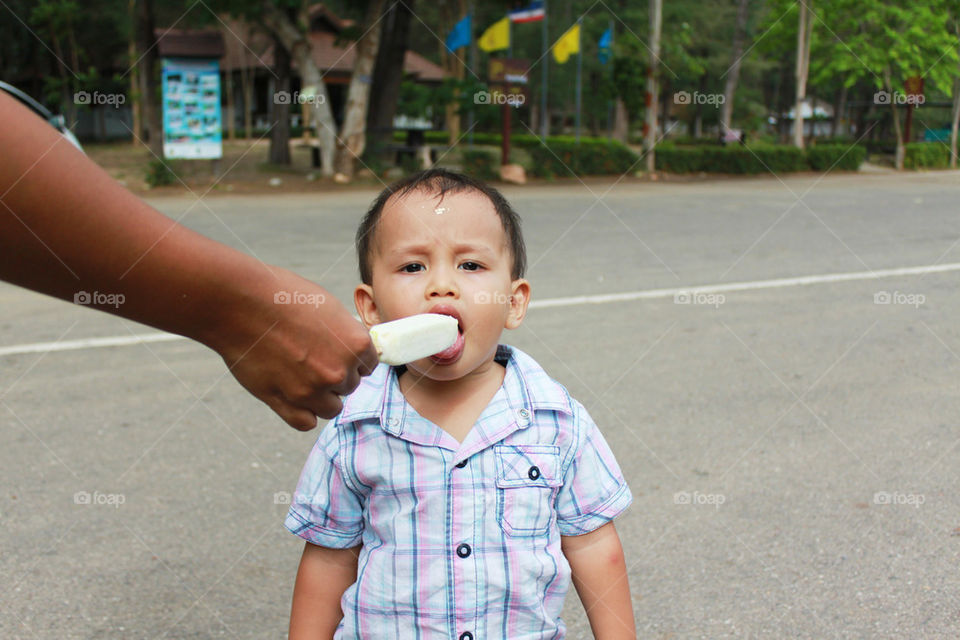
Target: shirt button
{"type": "Point", "coordinates": [462, 464]}
{"type": "Point", "coordinates": [523, 416]}
{"type": "Point", "coordinates": [466, 635]}
{"type": "Point", "coordinates": [533, 473]}
{"type": "Point", "coordinates": [463, 550]}
{"type": "Point", "coordinates": [392, 422]}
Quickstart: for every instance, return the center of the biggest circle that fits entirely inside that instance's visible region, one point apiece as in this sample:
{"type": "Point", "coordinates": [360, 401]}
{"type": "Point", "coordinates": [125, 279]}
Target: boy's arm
{"type": "Point", "coordinates": [323, 576]}
{"type": "Point", "coordinates": [600, 577]}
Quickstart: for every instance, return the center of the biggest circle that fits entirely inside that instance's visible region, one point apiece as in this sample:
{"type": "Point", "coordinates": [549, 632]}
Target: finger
{"type": "Point", "coordinates": [348, 385]}
{"type": "Point", "coordinates": [327, 406]}
{"type": "Point", "coordinates": [301, 419]}
{"type": "Point", "coordinates": [368, 360]}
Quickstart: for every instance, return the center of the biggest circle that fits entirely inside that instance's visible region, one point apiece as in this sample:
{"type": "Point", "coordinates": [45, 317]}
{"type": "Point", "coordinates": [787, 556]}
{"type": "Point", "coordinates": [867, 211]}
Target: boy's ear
{"type": "Point", "coordinates": [366, 307]}
{"type": "Point", "coordinates": [519, 299]}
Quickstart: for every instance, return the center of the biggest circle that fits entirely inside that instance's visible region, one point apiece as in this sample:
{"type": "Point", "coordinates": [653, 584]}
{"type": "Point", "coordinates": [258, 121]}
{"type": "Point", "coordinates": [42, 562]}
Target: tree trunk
{"type": "Point", "coordinates": [285, 30]}
{"type": "Point", "coordinates": [898, 130]}
{"type": "Point", "coordinates": [656, 19]}
{"type": "Point", "coordinates": [150, 100]}
{"type": "Point", "coordinates": [230, 112]}
{"type": "Point", "coordinates": [135, 97]}
{"type": "Point", "coordinates": [804, 29]}
{"type": "Point", "coordinates": [352, 138]}
{"type": "Point", "coordinates": [733, 73]}
{"type": "Point", "coordinates": [388, 74]}
{"type": "Point", "coordinates": [280, 131]}
{"type": "Point", "coordinates": [955, 123]}
{"type": "Point", "coordinates": [621, 121]}
{"type": "Point", "coordinates": [838, 110]}
{"type": "Point", "coordinates": [246, 87]}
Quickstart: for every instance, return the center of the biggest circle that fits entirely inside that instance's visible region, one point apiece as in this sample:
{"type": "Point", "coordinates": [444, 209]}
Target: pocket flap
{"type": "Point", "coordinates": [528, 465]}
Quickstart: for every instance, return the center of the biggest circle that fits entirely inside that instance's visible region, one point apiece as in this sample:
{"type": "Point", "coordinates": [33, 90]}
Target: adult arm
{"type": "Point", "coordinates": [66, 227]}
{"type": "Point", "coordinates": [599, 574]}
{"type": "Point", "coordinates": [323, 577]}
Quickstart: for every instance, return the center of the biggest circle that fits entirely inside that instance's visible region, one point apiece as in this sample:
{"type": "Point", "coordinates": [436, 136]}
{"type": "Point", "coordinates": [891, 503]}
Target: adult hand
{"type": "Point", "coordinates": [297, 349]}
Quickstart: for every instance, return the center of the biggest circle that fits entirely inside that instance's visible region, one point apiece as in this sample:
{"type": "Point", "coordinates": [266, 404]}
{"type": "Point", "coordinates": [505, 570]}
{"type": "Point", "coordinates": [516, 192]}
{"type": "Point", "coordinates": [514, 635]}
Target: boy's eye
{"type": "Point", "coordinates": [471, 266]}
{"type": "Point", "coordinates": [412, 268]}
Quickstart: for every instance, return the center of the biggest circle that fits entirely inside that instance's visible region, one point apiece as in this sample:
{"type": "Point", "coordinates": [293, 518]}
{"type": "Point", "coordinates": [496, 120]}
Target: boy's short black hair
{"type": "Point", "coordinates": [441, 182]}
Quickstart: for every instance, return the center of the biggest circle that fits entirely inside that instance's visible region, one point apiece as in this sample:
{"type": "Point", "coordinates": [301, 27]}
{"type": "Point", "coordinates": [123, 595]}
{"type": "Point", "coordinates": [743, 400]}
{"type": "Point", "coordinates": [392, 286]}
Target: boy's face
{"type": "Point", "coordinates": [450, 256]}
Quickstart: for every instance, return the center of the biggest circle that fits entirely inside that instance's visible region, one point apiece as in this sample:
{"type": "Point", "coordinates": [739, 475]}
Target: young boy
{"type": "Point", "coordinates": [456, 496]}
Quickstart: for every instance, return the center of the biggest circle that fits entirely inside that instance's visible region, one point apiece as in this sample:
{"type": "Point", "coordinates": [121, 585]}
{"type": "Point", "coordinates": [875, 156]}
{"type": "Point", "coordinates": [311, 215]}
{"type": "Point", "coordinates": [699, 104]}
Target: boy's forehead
{"type": "Point", "coordinates": [421, 215]}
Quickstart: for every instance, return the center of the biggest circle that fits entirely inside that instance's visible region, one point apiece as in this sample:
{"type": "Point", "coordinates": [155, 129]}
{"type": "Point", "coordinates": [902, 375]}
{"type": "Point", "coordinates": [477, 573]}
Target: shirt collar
{"type": "Point", "coordinates": [527, 387]}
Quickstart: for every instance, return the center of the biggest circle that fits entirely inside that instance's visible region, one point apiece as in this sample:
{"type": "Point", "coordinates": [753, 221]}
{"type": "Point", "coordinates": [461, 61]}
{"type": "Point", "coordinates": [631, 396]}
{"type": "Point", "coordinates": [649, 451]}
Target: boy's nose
{"type": "Point", "coordinates": [443, 283]}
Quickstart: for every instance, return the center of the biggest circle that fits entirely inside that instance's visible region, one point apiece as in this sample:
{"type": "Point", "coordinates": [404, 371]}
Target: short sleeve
{"type": "Point", "coordinates": [325, 510]}
{"type": "Point", "coordinates": [594, 491]}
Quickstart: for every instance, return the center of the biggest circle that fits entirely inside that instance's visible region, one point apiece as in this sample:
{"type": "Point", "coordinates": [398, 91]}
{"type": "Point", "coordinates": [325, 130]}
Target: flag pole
{"type": "Point", "coordinates": [544, 118]}
{"type": "Point", "coordinates": [579, 71]}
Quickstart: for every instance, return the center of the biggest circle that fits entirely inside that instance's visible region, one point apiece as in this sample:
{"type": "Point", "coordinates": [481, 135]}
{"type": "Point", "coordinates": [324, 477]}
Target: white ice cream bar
{"type": "Point", "coordinates": [414, 337]}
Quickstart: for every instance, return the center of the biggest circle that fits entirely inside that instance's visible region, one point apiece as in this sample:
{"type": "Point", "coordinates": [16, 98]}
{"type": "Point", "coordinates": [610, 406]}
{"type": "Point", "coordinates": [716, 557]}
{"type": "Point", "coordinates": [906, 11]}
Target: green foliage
{"type": "Point", "coordinates": [836, 157]}
{"type": "Point", "coordinates": [563, 156]}
{"type": "Point", "coordinates": [161, 173]}
{"type": "Point", "coordinates": [481, 163]}
{"type": "Point", "coordinates": [927, 155]}
{"type": "Point", "coordinates": [758, 158]}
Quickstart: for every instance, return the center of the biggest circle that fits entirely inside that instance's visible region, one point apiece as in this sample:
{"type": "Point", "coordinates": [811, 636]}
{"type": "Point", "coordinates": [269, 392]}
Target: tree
{"type": "Point", "coordinates": [290, 28]}
{"type": "Point", "coordinates": [804, 32]}
{"type": "Point", "coordinates": [733, 74]}
{"type": "Point", "coordinates": [656, 14]}
{"type": "Point", "coordinates": [148, 72]}
{"type": "Point", "coordinates": [280, 109]}
{"type": "Point", "coordinates": [955, 114]}
{"type": "Point", "coordinates": [352, 139]}
{"type": "Point", "coordinates": [885, 43]}
{"type": "Point", "coordinates": [388, 74]}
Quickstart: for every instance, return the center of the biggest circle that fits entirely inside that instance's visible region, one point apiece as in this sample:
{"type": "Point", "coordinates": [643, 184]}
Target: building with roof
{"type": "Point", "coordinates": [246, 54]}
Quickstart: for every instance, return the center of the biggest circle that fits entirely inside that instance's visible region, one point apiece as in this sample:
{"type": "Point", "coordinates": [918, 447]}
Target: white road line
{"type": "Point", "coordinates": [125, 340]}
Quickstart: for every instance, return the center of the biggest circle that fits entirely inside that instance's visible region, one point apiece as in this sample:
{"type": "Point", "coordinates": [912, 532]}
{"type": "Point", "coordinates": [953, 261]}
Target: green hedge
{"type": "Point", "coordinates": [563, 156]}
{"type": "Point", "coordinates": [836, 157]}
{"type": "Point", "coordinates": [757, 159]}
{"type": "Point", "coordinates": [926, 155]}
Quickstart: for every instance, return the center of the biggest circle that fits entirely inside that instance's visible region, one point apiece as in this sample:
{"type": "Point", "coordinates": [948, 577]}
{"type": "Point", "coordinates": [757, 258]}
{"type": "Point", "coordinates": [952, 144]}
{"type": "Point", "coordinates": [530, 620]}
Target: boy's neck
{"type": "Point", "coordinates": [453, 405]}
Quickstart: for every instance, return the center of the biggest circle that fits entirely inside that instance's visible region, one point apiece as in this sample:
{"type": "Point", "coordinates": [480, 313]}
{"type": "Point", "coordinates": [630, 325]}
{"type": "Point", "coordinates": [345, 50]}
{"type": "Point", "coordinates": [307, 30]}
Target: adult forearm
{"type": "Point", "coordinates": [69, 230]}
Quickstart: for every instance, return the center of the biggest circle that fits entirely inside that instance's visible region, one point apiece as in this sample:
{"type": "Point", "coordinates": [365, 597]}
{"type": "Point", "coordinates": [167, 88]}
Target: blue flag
{"type": "Point", "coordinates": [606, 41]}
{"type": "Point", "coordinates": [459, 36]}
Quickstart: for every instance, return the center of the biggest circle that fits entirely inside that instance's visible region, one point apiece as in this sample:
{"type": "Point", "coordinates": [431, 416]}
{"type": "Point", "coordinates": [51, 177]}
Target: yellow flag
{"type": "Point", "coordinates": [567, 45]}
{"type": "Point", "coordinates": [497, 36]}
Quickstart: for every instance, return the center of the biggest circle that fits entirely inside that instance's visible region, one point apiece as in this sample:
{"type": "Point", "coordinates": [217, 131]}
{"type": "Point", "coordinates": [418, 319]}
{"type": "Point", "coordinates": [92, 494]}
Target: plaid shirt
{"type": "Point", "coordinates": [460, 540]}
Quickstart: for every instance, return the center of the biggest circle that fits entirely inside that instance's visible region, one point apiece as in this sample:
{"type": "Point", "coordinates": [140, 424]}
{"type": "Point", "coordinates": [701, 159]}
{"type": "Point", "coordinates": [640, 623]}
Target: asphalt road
{"type": "Point", "coordinates": [792, 447]}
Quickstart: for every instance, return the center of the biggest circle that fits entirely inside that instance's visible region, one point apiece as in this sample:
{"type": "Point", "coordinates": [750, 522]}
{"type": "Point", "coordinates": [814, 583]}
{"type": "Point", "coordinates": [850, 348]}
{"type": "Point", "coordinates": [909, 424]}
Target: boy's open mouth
{"type": "Point", "coordinates": [451, 354]}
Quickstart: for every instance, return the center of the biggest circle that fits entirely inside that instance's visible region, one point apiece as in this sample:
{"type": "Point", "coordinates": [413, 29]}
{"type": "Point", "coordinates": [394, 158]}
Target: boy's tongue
{"type": "Point", "coordinates": [450, 353]}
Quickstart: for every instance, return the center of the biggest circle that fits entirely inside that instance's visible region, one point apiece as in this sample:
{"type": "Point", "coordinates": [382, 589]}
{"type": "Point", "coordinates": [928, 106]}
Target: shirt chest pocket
{"type": "Point", "coordinates": [527, 480]}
